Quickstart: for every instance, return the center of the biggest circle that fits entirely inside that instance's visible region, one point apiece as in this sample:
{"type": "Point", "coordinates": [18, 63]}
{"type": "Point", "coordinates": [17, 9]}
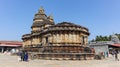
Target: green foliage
{"type": "Point", "coordinates": [104, 38]}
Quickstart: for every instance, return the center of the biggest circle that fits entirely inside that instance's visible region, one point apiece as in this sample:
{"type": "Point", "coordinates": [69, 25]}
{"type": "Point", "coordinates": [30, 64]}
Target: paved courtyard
{"type": "Point", "coordinates": [11, 61]}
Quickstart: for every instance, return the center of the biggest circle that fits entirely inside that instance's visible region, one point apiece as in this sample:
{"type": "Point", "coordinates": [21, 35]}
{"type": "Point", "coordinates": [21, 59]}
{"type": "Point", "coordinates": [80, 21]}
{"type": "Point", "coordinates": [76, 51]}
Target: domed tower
{"type": "Point", "coordinates": [41, 21]}
{"type": "Point", "coordinates": [50, 18]}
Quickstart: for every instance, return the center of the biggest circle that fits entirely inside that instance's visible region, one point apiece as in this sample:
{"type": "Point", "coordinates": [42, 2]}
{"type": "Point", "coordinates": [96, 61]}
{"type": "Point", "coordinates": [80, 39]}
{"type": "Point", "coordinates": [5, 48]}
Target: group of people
{"type": "Point", "coordinates": [23, 56]}
{"type": "Point", "coordinates": [115, 54]}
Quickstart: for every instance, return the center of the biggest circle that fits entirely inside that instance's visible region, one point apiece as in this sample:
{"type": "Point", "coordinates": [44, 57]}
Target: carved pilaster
{"type": "Point", "coordinates": [63, 37]}
{"type": "Point", "coordinates": [77, 37]}
{"type": "Point", "coordinates": [60, 36]}
{"type": "Point", "coordinates": [50, 38]}
{"type": "Point", "coordinates": [57, 38]}
{"type": "Point", "coordinates": [74, 37]}
{"type": "Point", "coordinates": [70, 37]}
{"type": "Point", "coordinates": [66, 37]}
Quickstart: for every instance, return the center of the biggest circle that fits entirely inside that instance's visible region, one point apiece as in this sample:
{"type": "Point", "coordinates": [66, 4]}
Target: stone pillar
{"type": "Point", "coordinates": [50, 38]}
{"type": "Point", "coordinates": [32, 41]}
{"type": "Point", "coordinates": [74, 37]}
{"type": "Point", "coordinates": [66, 37]}
{"type": "Point", "coordinates": [78, 38]}
{"type": "Point", "coordinates": [69, 37]}
{"type": "Point", "coordinates": [54, 39]}
{"type": "Point", "coordinates": [57, 38]}
{"type": "Point", "coordinates": [63, 37]}
{"type": "Point", "coordinates": [60, 36]}
{"type": "Point", "coordinates": [86, 40]}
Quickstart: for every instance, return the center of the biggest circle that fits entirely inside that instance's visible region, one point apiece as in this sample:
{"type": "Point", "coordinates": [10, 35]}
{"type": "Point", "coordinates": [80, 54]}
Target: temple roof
{"type": "Point", "coordinates": [26, 36]}
{"type": "Point", "coordinates": [66, 24]}
{"type": "Point", "coordinates": [40, 23]}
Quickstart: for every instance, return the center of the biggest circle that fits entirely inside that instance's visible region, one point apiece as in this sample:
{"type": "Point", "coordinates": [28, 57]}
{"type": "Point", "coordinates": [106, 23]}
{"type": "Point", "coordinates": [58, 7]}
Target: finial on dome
{"type": "Point", "coordinates": [41, 10]}
{"type": "Point", "coordinates": [50, 18]}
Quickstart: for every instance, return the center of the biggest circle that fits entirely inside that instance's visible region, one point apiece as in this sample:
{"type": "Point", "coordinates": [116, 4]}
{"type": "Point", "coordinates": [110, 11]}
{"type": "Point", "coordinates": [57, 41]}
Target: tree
{"type": "Point", "coordinates": [104, 38]}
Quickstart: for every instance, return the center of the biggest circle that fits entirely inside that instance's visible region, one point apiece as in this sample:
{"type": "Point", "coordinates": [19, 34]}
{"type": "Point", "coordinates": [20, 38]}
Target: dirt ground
{"type": "Point", "coordinates": [11, 61]}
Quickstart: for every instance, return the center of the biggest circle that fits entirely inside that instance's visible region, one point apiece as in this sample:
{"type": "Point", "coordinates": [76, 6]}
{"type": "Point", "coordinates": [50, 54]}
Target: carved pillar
{"type": "Point", "coordinates": [70, 37]}
{"type": "Point", "coordinates": [54, 38]}
{"type": "Point", "coordinates": [40, 39]}
{"type": "Point", "coordinates": [77, 37]}
{"type": "Point", "coordinates": [83, 40]}
{"type": "Point", "coordinates": [66, 37]}
{"type": "Point", "coordinates": [80, 39]}
{"type": "Point", "coordinates": [50, 38]}
{"type": "Point", "coordinates": [43, 41]}
{"type": "Point", "coordinates": [57, 38]}
{"type": "Point", "coordinates": [86, 41]}
{"type": "Point", "coordinates": [63, 37]}
{"type": "Point", "coordinates": [60, 36]}
{"type": "Point", "coordinates": [74, 38]}
{"type": "Point", "coordinates": [32, 40]}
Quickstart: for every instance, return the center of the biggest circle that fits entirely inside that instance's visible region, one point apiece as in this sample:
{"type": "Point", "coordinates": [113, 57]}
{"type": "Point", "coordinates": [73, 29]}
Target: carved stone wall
{"type": "Point", "coordinates": [62, 37]}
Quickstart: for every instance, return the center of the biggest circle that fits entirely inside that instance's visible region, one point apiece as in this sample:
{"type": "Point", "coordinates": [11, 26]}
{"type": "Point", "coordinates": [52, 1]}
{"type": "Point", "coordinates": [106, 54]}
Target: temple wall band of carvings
{"type": "Point", "coordinates": [67, 37]}
{"type": "Point", "coordinates": [27, 42]}
{"type": "Point", "coordinates": [36, 28]}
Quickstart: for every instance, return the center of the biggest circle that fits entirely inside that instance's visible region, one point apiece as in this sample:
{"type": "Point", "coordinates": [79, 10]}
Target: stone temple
{"type": "Point", "coordinates": [64, 40]}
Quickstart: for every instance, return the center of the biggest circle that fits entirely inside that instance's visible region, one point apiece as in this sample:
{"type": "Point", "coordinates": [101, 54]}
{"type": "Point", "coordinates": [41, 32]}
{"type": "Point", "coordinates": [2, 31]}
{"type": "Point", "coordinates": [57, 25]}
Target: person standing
{"type": "Point", "coordinates": [19, 56]}
{"type": "Point", "coordinates": [22, 55]}
{"type": "Point", "coordinates": [26, 56]}
{"type": "Point", "coordinates": [116, 55]}
{"type": "Point", "coordinates": [107, 54]}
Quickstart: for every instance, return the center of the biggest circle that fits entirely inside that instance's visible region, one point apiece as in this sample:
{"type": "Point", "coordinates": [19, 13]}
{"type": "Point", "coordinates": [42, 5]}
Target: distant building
{"type": "Point", "coordinates": [104, 46]}
{"type": "Point", "coordinates": [9, 45]}
{"type": "Point", "coordinates": [100, 46]}
{"type": "Point", "coordinates": [62, 40]}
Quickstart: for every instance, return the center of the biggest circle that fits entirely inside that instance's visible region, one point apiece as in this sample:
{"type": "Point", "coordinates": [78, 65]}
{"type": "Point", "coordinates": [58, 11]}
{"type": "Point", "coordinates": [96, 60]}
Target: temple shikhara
{"type": "Point", "coordinates": [64, 40]}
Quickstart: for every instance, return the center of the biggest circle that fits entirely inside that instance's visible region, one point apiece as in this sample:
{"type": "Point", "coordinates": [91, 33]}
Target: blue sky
{"type": "Point", "coordinates": [102, 17]}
